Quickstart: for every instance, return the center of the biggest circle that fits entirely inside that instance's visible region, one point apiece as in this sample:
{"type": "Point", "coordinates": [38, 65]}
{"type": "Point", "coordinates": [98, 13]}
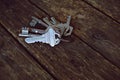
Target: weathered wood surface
{"type": "Point", "coordinates": [67, 61]}
{"type": "Point", "coordinates": [109, 7]}
{"type": "Point", "coordinates": [15, 63]}
{"type": "Point", "coordinates": [93, 27]}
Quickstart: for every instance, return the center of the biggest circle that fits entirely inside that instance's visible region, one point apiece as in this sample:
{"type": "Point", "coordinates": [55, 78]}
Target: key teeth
{"type": "Point", "coordinates": [27, 41]}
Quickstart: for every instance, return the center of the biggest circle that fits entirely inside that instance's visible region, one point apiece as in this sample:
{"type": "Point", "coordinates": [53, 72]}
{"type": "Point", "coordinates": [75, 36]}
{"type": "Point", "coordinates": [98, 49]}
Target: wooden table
{"type": "Point", "coordinates": [93, 52]}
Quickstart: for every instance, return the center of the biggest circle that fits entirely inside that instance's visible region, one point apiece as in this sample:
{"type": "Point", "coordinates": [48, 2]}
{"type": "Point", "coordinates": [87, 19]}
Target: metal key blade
{"type": "Point", "coordinates": [35, 39]}
{"type": "Point", "coordinates": [68, 20]}
{"type": "Point", "coordinates": [40, 21]}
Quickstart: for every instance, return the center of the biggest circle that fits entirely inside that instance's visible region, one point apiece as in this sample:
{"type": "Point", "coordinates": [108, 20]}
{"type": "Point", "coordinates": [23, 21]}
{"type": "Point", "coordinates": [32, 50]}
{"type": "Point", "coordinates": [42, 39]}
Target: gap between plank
{"type": "Point", "coordinates": [32, 3]}
{"type": "Point", "coordinates": [101, 11]}
{"type": "Point", "coordinates": [38, 8]}
{"type": "Point", "coordinates": [29, 53]}
{"type": "Point", "coordinates": [96, 50]}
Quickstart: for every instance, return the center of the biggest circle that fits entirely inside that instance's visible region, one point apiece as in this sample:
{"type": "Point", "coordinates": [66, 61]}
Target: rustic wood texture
{"type": "Point", "coordinates": [94, 28]}
{"type": "Point", "coordinates": [67, 61]}
{"type": "Point", "coordinates": [111, 7]}
{"type": "Point", "coordinates": [15, 63]}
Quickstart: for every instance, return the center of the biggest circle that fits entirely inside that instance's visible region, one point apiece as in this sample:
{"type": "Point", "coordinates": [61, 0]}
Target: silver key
{"type": "Point", "coordinates": [49, 38]}
{"type": "Point", "coordinates": [25, 33]}
{"type": "Point", "coordinates": [36, 20]}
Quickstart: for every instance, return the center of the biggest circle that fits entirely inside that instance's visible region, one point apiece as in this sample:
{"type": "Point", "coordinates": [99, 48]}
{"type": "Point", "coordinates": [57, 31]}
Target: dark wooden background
{"type": "Point", "coordinates": [93, 52]}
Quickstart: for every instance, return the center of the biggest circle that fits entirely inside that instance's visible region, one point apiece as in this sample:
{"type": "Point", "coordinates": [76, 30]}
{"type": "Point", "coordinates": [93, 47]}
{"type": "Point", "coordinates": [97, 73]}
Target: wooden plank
{"type": "Point", "coordinates": [15, 64]}
{"type": "Point", "coordinates": [111, 7]}
{"type": "Point", "coordinates": [91, 26]}
{"type": "Point", "coordinates": [67, 61]}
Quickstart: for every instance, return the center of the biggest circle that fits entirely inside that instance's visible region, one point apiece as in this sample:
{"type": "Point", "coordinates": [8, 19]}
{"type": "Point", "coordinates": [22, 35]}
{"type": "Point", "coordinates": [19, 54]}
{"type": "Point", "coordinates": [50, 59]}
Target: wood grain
{"type": "Point", "coordinates": [15, 63]}
{"type": "Point", "coordinates": [111, 7]}
{"type": "Point", "coordinates": [67, 61]}
{"type": "Point", "coordinates": [94, 28]}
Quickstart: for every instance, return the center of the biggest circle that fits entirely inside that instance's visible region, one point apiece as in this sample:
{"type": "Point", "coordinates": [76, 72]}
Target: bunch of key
{"type": "Point", "coordinates": [52, 33]}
